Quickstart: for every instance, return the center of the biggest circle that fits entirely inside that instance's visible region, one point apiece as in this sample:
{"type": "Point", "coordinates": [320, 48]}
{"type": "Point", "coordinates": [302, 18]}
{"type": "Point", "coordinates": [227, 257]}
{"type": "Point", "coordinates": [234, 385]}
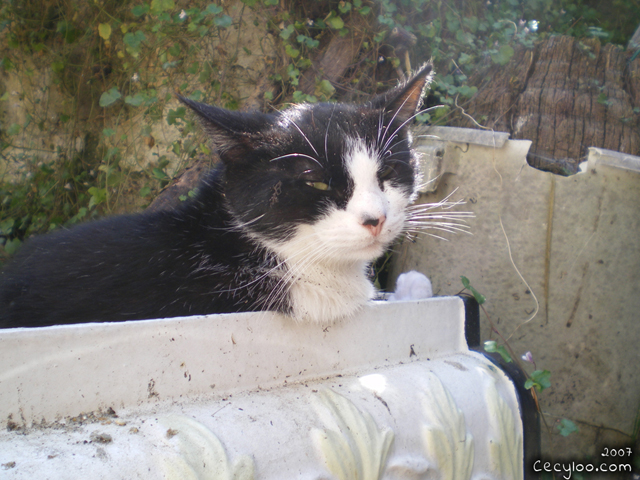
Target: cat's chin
{"type": "Point", "coordinates": [366, 254]}
{"type": "Point", "coordinates": [323, 296]}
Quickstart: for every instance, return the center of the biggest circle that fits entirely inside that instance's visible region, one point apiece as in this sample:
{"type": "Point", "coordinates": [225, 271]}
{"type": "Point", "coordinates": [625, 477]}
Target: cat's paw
{"type": "Point", "coordinates": [412, 286]}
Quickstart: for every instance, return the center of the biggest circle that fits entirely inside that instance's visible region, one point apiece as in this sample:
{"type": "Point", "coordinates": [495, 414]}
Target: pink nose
{"type": "Point", "coordinates": [374, 225]}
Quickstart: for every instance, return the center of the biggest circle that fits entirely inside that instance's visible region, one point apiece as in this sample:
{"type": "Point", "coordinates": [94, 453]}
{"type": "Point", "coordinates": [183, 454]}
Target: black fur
{"type": "Point", "coordinates": [160, 264]}
{"type": "Point", "coordinates": [206, 256]}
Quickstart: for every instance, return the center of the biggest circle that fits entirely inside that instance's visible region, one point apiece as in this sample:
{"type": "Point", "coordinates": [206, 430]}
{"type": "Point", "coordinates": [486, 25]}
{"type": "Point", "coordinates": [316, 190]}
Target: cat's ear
{"type": "Point", "coordinates": [232, 133]}
{"type": "Point", "coordinates": [403, 101]}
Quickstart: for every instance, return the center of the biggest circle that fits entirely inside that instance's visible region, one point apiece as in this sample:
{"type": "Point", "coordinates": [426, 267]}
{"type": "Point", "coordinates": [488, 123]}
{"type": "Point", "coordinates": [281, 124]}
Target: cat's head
{"type": "Point", "coordinates": [331, 178]}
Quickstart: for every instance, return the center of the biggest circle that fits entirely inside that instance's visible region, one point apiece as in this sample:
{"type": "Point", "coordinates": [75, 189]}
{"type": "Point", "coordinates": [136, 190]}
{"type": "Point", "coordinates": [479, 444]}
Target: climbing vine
{"type": "Point", "coordinates": [91, 124]}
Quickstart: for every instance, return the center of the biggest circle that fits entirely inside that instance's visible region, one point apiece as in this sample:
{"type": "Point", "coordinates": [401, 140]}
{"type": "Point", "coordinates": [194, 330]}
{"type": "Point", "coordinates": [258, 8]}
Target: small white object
{"type": "Point", "coordinates": [412, 286]}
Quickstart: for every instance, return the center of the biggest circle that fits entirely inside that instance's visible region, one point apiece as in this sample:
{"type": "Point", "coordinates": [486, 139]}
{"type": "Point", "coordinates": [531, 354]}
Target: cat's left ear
{"type": "Point", "coordinates": [233, 133]}
{"type": "Point", "coordinates": [403, 101]}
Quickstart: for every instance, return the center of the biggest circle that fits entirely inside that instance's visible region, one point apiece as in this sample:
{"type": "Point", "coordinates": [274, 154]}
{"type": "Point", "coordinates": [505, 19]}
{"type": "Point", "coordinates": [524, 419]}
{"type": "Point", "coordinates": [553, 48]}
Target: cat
{"type": "Point", "coordinates": [301, 203]}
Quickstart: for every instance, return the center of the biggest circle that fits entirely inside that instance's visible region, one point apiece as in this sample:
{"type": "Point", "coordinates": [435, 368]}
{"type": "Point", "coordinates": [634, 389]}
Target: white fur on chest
{"type": "Point", "coordinates": [322, 295]}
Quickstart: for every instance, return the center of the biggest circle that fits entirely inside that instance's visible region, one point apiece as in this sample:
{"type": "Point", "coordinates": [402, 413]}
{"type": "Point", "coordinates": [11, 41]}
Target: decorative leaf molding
{"type": "Point", "coordinates": [445, 437]}
{"type": "Point", "coordinates": [353, 447]}
{"type": "Point", "coordinates": [505, 451]}
{"type": "Point", "coordinates": [201, 455]}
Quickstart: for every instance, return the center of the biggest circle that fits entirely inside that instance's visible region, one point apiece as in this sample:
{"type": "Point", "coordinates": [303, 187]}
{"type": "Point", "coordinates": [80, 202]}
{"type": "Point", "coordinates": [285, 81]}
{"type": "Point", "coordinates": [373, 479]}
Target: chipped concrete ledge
{"type": "Point", "coordinates": [392, 393]}
{"type": "Point", "coordinates": [487, 138]}
{"type": "Point", "coordinates": [602, 156]}
{"type": "Point", "coordinates": [99, 365]}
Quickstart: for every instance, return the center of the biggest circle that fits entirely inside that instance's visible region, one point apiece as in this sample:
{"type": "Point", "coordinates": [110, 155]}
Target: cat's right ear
{"type": "Point", "coordinates": [403, 102]}
{"type": "Point", "coordinates": [233, 133]}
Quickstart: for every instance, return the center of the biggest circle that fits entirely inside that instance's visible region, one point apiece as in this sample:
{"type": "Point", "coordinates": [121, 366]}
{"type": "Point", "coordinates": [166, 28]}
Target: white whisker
{"type": "Point", "coordinates": [443, 227]}
{"type": "Point", "coordinates": [404, 123]}
{"type": "Point", "coordinates": [303, 155]}
{"type": "Point", "coordinates": [304, 136]}
{"type": "Point", "coordinates": [389, 124]}
{"type": "Point", "coordinates": [326, 133]}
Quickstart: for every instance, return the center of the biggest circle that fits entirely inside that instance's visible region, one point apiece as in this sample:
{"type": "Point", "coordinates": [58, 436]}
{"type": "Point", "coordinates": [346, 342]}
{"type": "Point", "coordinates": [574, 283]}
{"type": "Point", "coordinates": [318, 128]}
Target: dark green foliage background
{"type": "Point", "coordinates": [95, 50]}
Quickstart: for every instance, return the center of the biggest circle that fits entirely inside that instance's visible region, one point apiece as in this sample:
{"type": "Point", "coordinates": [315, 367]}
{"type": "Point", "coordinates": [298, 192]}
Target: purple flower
{"type": "Point", "coordinates": [527, 357]}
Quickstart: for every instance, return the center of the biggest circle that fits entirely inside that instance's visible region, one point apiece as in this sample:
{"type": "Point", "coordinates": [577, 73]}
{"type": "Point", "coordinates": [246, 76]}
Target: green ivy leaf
{"type": "Point", "coordinates": [492, 346]}
{"type": "Point", "coordinates": [134, 101]}
{"type": "Point", "coordinates": [176, 114]}
{"type": "Point", "coordinates": [604, 100]}
{"type": "Point", "coordinates": [6, 226]}
{"type": "Point", "coordinates": [6, 64]}
{"type": "Point", "coordinates": [134, 40]}
{"type": "Point", "coordinates": [140, 10]}
{"type": "Point", "coordinates": [98, 196]}
{"type": "Point", "coordinates": [110, 97]}
{"type": "Point", "coordinates": [599, 33]}
{"type": "Point", "coordinates": [540, 380]}
{"type": "Point", "coordinates": [477, 295]}
{"type": "Point", "coordinates": [108, 132]}
{"type": "Point", "coordinates": [286, 32]}
{"type": "Point", "coordinates": [292, 52]}
{"type": "Point", "coordinates": [197, 95]}
{"type": "Point", "coordinates": [14, 129]}
{"type": "Point", "coordinates": [467, 91]}
{"type": "Point", "coordinates": [160, 6]}
{"type": "Point", "coordinates": [223, 21]}
{"type": "Point", "coordinates": [57, 66]}
{"type": "Point", "coordinates": [325, 89]}
{"type": "Point", "coordinates": [336, 23]}
{"type": "Point", "coordinates": [308, 41]}
{"type": "Point", "coordinates": [174, 50]}
{"type": "Point", "coordinates": [159, 174]}
{"type": "Point", "coordinates": [300, 97]}
{"type": "Point", "coordinates": [194, 68]}
{"type": "Point", "coordinates": [465, 58]}
{"type": "Point", "coordinates": [206, 150]}
{"type": "Point", "coordinates": [12, 246]}
{"type": "Point", "coordinates": [504, 54]}
{"type": "Point", "coordinates": [82, 212]}
{"type": "Point", "coordinates": [104, 30]}
{"type": "Point", "coordinates": [423, 118]}
{"type": "Point", "coordinates": [567, 427]}
{"type": "Point", "coordinates": [344, 7]}
{"type": "Point", "coordinates": [214, 9]}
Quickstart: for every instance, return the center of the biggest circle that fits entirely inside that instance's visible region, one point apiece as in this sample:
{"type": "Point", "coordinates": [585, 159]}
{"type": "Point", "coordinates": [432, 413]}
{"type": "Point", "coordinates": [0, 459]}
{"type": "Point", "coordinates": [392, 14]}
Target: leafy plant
{"type": "Point", "coordinates": [115, 68]}
{"type": "Point", "coordinates": [540, 380]}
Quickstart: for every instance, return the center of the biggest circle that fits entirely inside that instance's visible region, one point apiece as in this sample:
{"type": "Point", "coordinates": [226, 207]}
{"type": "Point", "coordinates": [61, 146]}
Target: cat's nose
{"type": "Point", "coordinates": [374, 225]}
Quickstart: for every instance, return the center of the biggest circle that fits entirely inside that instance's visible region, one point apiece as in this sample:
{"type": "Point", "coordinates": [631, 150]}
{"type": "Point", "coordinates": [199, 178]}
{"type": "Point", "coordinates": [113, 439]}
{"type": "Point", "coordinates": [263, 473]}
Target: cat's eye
{"type": "Point", "coordinates": [319, 186]}
{"type": "Point", "coordinates": [386, 172]}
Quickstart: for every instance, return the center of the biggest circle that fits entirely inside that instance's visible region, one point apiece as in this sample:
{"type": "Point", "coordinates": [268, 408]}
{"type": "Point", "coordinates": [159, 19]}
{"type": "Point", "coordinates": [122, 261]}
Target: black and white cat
{"type": "Point", "coordinates": [302, 202]}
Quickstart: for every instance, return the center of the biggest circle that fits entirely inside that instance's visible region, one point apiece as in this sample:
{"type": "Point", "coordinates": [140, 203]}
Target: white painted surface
{"type": "Point", "coordinates": [255, 396]}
